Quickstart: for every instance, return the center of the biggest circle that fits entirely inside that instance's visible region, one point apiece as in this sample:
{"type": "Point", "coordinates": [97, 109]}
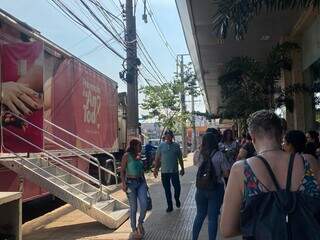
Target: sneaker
{"type": "Point", "coordinates": [169, 209]}
{"type": "Point", "coordinates": [178, 203]}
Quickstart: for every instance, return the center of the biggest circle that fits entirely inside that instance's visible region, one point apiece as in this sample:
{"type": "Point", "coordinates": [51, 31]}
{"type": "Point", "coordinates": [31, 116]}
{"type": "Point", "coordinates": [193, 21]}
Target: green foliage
{"type": "Point", "coordinates": [162, 102]}
{"type": "Point", "coordinates": [248, 85]}
{"type": "Point", "coordinates": [238, 14]}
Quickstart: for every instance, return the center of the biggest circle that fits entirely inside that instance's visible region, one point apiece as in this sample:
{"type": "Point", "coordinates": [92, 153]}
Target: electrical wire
{"type": "Point", "coordinates": [77, 20]}
{"type": "Point", "coordinates": [158, 29]}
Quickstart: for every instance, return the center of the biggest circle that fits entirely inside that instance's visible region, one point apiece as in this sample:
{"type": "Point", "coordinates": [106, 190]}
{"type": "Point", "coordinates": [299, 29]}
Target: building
{"type": "Point", "coordinates": [266, 30]}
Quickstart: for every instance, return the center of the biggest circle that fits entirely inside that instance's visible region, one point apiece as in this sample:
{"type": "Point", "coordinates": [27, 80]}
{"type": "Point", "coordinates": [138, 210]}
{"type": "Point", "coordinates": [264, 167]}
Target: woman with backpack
{"type": "Point", "coordinates": [210, 187]}
{"type": "Point", "coordinates": [274, 195]}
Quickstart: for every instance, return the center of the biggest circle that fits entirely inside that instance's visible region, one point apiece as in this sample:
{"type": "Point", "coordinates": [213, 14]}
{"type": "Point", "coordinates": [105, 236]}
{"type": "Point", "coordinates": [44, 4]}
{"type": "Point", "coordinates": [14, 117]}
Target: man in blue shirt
{"type": "Point", "coordinates": [168, 156]}
{"type": "Point", "coordinates": [149, 150]}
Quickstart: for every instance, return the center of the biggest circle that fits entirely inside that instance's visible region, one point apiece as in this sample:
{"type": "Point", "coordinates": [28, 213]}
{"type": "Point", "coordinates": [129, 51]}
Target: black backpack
{"type": "Point", "coordinates": [206, 175]}
{"type": "Point", "coordinates": [281, 214]}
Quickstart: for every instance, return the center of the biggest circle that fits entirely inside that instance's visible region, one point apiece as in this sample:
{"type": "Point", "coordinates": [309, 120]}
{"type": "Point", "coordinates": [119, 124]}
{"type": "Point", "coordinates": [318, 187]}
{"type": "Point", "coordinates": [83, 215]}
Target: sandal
{"type": "Point", "coordinates": [135, 235]}
{"type": "Point", "coordinates": [141, 229]}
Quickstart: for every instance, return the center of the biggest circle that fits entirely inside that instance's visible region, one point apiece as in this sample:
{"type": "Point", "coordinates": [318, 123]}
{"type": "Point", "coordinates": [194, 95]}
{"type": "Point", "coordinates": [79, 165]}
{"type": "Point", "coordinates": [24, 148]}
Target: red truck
{"type": "Point", "coordinates": [71, 100]}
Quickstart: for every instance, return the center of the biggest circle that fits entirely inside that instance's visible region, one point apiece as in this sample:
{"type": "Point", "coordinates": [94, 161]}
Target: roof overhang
{"type": "Point", "coordinates": [209, 54]}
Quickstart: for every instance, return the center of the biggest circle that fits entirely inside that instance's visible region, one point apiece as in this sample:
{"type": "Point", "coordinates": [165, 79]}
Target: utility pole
{"type": "Point", "coordinates": [132, 72]}
{"type": "Point", "coordinates": [183, 103]}
{"type": "Point", "coordinates": [193, 120]}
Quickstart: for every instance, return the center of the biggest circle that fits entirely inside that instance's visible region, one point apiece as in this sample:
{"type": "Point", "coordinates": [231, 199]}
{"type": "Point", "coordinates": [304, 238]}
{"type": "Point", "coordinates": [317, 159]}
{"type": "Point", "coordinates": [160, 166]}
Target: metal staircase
{"type": "Point", "coordinates": [68, 182]}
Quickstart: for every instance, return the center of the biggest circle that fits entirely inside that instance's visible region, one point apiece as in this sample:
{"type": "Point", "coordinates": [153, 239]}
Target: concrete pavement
{"type": "Point", "coordinates": [66, 223]}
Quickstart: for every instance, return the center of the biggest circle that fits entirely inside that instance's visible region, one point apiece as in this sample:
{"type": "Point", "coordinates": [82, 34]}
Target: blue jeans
{"type": "Point", "coordinates": [137, 190]}
{"type": "Point", "coordinates": [174, 178]}
{"type": "Point", "coordinates": [208, 204]}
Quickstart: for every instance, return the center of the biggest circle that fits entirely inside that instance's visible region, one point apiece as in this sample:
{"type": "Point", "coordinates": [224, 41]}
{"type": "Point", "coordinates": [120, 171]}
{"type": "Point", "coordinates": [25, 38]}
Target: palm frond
{"type": "Point", "coordinates": [236, 14]}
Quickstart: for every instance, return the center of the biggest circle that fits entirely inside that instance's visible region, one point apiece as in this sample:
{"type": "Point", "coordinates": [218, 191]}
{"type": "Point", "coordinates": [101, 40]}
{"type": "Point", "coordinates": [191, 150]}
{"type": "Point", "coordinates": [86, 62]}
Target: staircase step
{"type": "Point", "coordinates": [54, 170]}
{"type": "Point", "coordinates": [70, 179]}
{"type": "Point", "coordinates": [110, 207]}
{"type": "Point", "coordinates": [118, 213]}
{"type": "Point", "coordinates": [39, 162]}
{"type": "Point", "coordinates": [102, 204]}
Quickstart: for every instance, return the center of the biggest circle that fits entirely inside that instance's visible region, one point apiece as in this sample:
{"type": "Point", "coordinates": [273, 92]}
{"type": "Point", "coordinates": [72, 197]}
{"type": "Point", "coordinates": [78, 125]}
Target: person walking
{"type": "Point", "coordinates": [247, 150]}
{"type": "Point", "coordinates": [230, 148]}
{"type": "Point", "coordinates": [313, 144]}
{"type": "Point", "coordinates": [134, 184]}
{"type": "Point", "coordinates": [149, 150]}
{"type": "Point", "coordinates": [210, 187]}
{"type": "Point", "coordinates": [168, 156]}
{"type": "Point", "coordinates": [263, 203]}
{"type": "Point", "coordinates": [294, 142]}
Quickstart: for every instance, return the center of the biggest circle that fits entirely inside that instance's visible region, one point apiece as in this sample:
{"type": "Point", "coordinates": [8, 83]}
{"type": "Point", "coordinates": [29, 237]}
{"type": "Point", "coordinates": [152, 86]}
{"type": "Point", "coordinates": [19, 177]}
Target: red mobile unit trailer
{"type": "Point", "coordinates": [71, 96]}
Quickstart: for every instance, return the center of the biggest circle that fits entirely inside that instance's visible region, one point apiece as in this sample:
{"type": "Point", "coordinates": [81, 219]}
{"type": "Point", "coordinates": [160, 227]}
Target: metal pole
{"type": "Point", "coordinates": [131, 77]}
{"type": "Point", "coordinates": [183, 106]}
{"type": "Point", "coordinates": [194, 132]}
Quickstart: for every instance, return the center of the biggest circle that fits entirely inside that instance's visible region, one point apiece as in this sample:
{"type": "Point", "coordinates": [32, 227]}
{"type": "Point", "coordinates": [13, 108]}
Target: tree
{"type": "Point", "coordinates": [238, 14]}
{"type": "Point", "coordinates": [162, 104]}
{"type": "Point", "coordinates": [248, 85]}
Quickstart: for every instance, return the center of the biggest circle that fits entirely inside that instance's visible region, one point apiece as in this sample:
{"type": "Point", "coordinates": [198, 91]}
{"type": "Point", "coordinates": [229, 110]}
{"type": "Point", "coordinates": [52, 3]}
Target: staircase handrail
{"type": "Point", "coordinates": [89, 143]}
{"type": "Point", "coordinates": [58, 160]}
{"type": "Point", "coordinates": [70, 185]}
{"type": "Point", "coordinates": [95, 162]}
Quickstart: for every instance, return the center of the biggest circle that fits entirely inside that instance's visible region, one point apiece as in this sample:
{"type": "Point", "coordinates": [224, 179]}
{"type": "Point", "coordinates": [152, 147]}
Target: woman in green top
{"type": "Point", "coordinates": [134, 184]}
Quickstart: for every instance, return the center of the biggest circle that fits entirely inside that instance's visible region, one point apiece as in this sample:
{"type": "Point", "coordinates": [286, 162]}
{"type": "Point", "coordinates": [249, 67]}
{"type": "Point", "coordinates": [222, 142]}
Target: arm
{"type": "Point", "coordinates": [180, 158]}
{"type": "Point", "coordinates": [157, 164]}
{"type": "Point", "coordinates": [242, 154]}
{"type": "Point", "coordinates": [196, 158]}
{"type": "Point", "coordinates": [230, 218]}
{"type": "Point", "coordinates": [314, 164]}
{"type": "Point", "coordinates": [124, 162]}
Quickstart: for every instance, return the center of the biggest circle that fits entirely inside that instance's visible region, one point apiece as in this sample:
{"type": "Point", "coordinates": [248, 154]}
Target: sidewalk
{"type": "Point", "coordinates": [66, 223]}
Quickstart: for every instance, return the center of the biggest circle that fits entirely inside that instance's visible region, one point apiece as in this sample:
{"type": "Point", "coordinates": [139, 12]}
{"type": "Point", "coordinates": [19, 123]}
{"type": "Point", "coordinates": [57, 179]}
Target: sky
{"type": "Point", "coordinates": [45, 17]}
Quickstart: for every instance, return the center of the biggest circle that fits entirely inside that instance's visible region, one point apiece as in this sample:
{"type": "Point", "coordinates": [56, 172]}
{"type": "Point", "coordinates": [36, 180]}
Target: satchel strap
{"type": "Point", "coordinates": [289, 174]}
{"type": "Point", "coordinates": [273, 177]}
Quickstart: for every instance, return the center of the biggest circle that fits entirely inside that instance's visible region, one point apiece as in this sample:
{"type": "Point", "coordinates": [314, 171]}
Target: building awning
{"type": "Point", "coordinates": [209, 54]}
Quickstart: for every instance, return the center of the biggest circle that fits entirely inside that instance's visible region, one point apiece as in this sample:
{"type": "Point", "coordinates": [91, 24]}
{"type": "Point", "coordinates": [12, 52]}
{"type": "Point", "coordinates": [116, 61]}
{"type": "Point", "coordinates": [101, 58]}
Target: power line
{"type": "Point", "coordinates": [143, 48]}
{"type": "Point", "coordinates": [158, 29]}
{"type": "Point", "coordinates": [101, 23]}
{"type": "Point", "coordinates": [77, 20]}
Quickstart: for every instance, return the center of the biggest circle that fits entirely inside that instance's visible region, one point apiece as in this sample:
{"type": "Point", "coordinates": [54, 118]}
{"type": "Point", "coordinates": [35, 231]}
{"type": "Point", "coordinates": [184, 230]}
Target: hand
{"type": "Point", "coordinates": [182, 172]}
{"type": "Point", "coordinates": [155, 173]}
{"type": "Point", "coordinates": [124, 187]}
{"type": "Point", "coordinates": [19, 98]}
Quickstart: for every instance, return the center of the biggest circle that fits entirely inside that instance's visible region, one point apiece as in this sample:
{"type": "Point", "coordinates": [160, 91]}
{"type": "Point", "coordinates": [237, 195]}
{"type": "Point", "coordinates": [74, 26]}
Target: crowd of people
{"type": "Point", "coordinates": [265, 186]}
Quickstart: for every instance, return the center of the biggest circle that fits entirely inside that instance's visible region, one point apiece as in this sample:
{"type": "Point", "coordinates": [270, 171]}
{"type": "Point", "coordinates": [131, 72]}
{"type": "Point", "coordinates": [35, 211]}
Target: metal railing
{"type": "Point", "coordinates": [56, 159]}
{"type": "Point", "coordinates": [69, 148]}
{"type": "Point", "coordinates": [47, 172]}
{"type": "Point", "coordinates": [91, 145]}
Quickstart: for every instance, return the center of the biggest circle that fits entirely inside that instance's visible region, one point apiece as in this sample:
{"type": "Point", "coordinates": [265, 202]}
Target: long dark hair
{"type": "Point", "coordinates": [225, 134]}
{"type": "Point", "coordinates": [314, 135]}
{"type": "Point", "coordinates": [208, 145]}
{"type": "Point", "coordinates": [297, 139]}
{"type": "Point", "coordinates": [132, 145]}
